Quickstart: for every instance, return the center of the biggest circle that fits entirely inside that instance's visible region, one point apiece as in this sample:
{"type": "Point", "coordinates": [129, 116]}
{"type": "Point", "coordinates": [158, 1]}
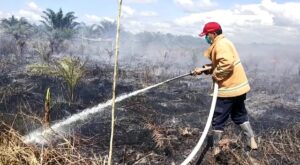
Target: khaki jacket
{"type": "Point", "coordinates": [227, 69]}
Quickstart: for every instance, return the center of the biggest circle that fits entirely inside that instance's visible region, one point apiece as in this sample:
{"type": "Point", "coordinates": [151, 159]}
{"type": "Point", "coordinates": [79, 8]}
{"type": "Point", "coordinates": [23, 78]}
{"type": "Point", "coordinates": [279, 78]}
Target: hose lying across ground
{"type": "Point", "coordinates": [206, 128]}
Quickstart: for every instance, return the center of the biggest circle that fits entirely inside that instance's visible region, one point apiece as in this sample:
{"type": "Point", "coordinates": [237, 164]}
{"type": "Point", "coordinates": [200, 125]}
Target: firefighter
{"type": "Point", "coordinates": [228, 72]}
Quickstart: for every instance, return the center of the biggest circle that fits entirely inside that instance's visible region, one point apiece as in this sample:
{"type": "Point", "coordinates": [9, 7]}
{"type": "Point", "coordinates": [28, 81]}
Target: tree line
{"type": "Point", "coordinates": [53, 30]}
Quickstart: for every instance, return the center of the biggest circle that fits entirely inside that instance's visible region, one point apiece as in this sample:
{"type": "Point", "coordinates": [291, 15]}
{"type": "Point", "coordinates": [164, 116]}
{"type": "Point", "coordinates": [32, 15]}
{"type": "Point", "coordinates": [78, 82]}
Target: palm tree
{"type": "Point", "coordinates": [70, 69]}
{"type": "Point", "coordinates": [20, 29]}
{"type": "Point", "coordinates": [104, 30]}
{"type": "Point", "coordinates": [92, 31]}
{"type": "Point", "coordinates": [57, 20]}
{"type": "Point", "coordinates": [108, 29]}
{"type": "Point", "coordinates": [59, 27]}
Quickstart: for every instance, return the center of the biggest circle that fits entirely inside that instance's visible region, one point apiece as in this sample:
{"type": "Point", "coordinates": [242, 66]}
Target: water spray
{"type": "Point", "coordinates": [44, 136]}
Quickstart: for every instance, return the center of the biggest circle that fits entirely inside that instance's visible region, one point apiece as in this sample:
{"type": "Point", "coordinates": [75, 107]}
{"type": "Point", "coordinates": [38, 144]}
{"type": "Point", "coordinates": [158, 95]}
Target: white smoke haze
{"type": "Point", "coordinates": [182, 53]}
{"type": "Point", "coordinates": [265, 34]}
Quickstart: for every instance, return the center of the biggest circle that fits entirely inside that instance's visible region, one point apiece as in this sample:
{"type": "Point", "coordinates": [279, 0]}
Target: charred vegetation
{"type": "Point", "coordinates": [160, 126]}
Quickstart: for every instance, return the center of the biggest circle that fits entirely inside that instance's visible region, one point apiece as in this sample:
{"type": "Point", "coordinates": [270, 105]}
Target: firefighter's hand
{"type": "Point", "coordinates": [196, 71]}
{"type": "Point", "coordinates": [206, 72]}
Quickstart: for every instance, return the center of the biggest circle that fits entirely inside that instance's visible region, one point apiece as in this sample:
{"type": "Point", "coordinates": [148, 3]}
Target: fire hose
{"type": "Point", "coordinates": [206, 128]}
{"type": "Point", "coordinates": [208, 122]}
{"type": "Point", "coordinates": [211, 112]}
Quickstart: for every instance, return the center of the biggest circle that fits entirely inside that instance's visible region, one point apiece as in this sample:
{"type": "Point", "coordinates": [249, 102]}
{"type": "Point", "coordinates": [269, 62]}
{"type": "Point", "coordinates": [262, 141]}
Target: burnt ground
{"type": "Point", "coordinates": [160, 126]}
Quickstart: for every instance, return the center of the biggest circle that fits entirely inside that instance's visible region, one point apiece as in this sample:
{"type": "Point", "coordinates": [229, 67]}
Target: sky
{"type": "Point", "coordinates": [244, 21]}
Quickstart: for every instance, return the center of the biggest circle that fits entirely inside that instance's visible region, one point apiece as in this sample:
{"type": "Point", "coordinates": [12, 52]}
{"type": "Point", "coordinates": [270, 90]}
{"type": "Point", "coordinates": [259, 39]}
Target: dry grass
{"type": "Point", "coordinates": [282, 146]}
{"type": "Point", "coordinates": [158, 135]}
{"type": "Point", "coordinates": [14, 151]}
{"type": "Point", "coordinates": [162, 137]}
{"type": "Point", "coordinates": [275, 147]}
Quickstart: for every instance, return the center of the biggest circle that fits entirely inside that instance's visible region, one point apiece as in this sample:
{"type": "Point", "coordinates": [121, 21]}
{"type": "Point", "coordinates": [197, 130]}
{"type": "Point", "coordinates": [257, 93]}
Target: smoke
{"type": "Point", "coordinates": [271, 59]}
{"type": "Point", "coordinates": [178, 54]}
{"type": "Point", "coordinates": [185, 52]}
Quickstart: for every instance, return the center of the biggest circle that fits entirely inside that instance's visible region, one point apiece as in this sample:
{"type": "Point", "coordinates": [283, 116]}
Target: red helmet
{"type": "Point", "coordinates": [210, 27]}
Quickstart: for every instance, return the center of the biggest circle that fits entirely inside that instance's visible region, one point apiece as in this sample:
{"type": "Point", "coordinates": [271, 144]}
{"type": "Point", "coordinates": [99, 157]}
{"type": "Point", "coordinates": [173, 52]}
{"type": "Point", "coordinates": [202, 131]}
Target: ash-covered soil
{"type": "Point", "coordinates": [160, 126]}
